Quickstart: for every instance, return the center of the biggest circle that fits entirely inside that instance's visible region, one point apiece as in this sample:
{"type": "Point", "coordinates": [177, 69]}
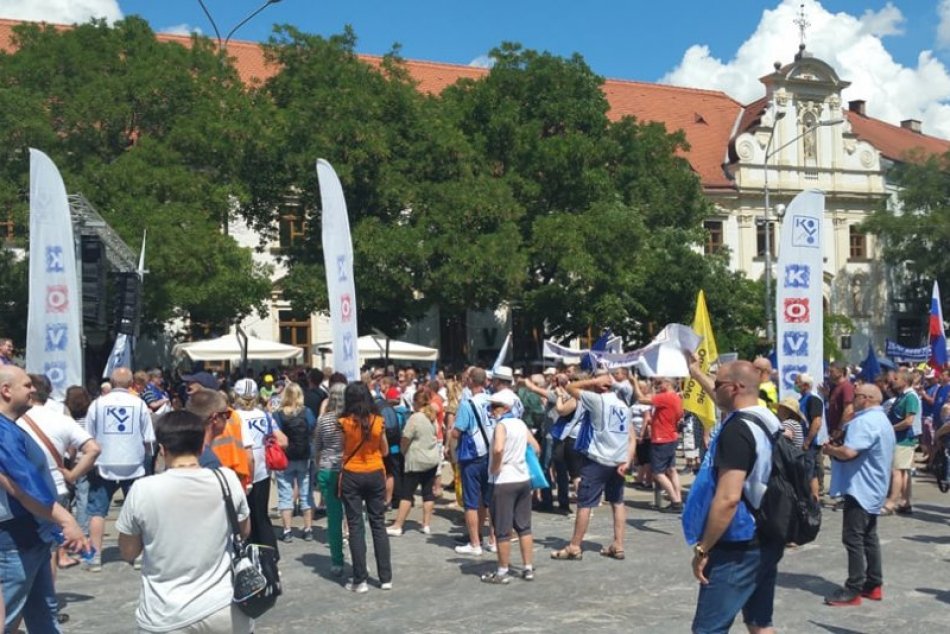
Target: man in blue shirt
{"type": "Point", "coordinates": [860, 472]}
{"type": "Point", "coordinates": [30, 517]}
{"type": "Point", "coordinates": [473, 431]}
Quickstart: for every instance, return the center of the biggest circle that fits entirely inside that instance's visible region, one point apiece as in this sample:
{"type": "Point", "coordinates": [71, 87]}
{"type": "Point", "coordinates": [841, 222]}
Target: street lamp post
{"type": "Point", "coordinates": [767, 219]}
{"type": "Point", "coordinates": [223, 45]}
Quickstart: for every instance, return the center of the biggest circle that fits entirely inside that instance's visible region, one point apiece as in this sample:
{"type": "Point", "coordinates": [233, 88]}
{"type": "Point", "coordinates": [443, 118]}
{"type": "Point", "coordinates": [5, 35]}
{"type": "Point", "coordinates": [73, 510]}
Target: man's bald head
{"type": "Point", "coordinates": [737, 386]}
{"type": "Point", "coordinates": [763, 365]}
{"type": "Point", "coordinates": [870, 394]}
{"type": "Point", "coordinates": [16, 391]}
{"type": "Point", "coordinates": [477, 377]}
{"type": "Point", "coordinates": [122, 377]}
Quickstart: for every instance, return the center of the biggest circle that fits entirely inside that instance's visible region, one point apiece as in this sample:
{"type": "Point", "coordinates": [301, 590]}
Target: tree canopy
{"type": "Point", "coordinates": [916, 231]}
{"type": "Point", "coordinates": [517, 187]}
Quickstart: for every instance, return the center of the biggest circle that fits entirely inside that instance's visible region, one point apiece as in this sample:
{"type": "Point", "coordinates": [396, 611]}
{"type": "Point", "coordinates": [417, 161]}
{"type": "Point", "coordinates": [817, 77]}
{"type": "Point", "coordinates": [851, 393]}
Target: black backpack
{"type": "Point", "coordinates": [788, 513]}
{"type": "Point", "coordinates": [298, 435]}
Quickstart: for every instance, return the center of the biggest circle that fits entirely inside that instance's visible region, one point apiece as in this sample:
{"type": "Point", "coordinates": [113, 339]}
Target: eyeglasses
{"type": "Point", "coordinates": [222, 414]}
{"type": "Point", "coordinates": [861, 395]}
{"type": "Point", "coordinates": [719, 384]}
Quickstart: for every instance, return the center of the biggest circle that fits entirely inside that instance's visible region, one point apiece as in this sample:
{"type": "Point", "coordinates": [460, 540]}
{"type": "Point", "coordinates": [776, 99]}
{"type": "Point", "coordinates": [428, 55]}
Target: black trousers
{"type": "Point", "coordinates": [859, 536]}
{"type": "Point", "coordinates": [262, 531]}
{"type": "Point", "coordinates": [369, 488]}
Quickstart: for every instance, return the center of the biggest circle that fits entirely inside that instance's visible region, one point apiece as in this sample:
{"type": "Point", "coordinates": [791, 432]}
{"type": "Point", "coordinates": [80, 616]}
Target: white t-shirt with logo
{"type": "Point", "coordinates": [186, 569]}
{"type": "Point", "coordinates": [121, 423]}
{"type": "Point", "coordinates": [62, 431]}
{"type": "Point", "coordinates": [257, 426]}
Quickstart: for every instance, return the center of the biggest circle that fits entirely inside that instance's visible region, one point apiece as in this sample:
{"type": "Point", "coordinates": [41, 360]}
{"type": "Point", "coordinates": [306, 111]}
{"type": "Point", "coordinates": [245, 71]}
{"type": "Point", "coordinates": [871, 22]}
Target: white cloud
{"type": "Point", "coordinates": [180, 29]}
{"type": "Point", "coordinates": [850, 44]}
{"type": "Point", "coordinates": [483, 61]}
{"type": "Point", "coordinates": [887, 21]}
{"type": "Point", "coordinates": [60, 11]}
{"type": "Point", "coordinates": [943, 27]}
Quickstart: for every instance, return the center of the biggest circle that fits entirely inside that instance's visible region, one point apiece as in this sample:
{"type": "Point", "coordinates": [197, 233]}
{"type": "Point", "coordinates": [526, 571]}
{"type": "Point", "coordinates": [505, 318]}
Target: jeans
{"type": "Point", "coordinates": [327, 480]}
{"type": "Point", "coordinates": [370, 488]}
{"type": "Point", "coordinates": [859, 536]}
{"type": "Point", "coordinates": [28, 589]}
{"type": "Point", "coordinates": [739, 579]}
{"type": "Point", "coordinates": [297, 471]}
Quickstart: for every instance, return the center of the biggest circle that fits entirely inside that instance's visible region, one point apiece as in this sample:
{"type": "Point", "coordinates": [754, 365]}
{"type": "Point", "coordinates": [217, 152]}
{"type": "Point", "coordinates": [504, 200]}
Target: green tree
{"type": "Point", "coordinates": [428, 228]}
{"type": "Point", "coordinates": [155, 135]}
{"type": "Point", "coordinates": [612, 222]}
{"type": "Point", "coordinates": [915, 232]}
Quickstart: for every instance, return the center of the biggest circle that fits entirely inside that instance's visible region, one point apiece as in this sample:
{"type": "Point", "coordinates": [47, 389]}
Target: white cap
{"type": "Point", "coordinates": [246, 388]}
{"type": "Point", "coordinates": [549, 371]}
{"type": "Point", "coordinates": [503, 397]}
{"type": "Point", "coordinates": [503, 373]}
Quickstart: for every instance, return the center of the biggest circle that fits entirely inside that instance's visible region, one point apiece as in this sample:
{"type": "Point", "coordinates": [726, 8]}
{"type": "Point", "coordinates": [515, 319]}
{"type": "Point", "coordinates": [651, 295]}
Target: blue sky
{"type": "Point", "coordinates": [896, 53]}
{"type": "Point", "coordinates": [631, 39]}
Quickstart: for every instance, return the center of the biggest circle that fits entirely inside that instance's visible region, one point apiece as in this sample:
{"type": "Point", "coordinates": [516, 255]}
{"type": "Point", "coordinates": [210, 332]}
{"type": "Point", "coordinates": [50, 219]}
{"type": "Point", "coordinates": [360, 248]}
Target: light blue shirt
{"type": "Point", "coordinates": [866, 477]}
{"type": "Point", "coordinates": [466, 423]}
{"type": "Point", "coordinates": [610, 418]}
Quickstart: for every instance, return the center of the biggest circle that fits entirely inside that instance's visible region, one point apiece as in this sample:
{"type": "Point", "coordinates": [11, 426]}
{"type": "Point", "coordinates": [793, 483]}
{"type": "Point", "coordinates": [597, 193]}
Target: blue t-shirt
{"type": "Point", "coordinates": [23, 462]}
{"type": "Point", "coordinates": [866, 478]}
{"type": "Point", "coordinates": [471, 443]}
{"type": "Point", "coordinates": [940, 399]}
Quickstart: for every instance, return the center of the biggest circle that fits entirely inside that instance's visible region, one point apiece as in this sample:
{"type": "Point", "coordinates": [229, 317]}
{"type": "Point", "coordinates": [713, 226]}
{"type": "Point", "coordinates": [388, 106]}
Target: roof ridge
{"type": "Point", "coordinates": [657, 84]}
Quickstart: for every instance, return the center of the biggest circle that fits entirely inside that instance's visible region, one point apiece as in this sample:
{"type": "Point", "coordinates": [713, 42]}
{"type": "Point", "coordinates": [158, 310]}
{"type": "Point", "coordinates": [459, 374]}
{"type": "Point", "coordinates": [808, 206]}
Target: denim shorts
{"type": "Point", "coordinates": [101, 492]}
{"type": "Point", "coordinates": [739, 579]}
{"type": "Point", "coordinates": [597, 480]}
{"type": "Point", "coordinates": [297, 471]}
{"type": "Point", "coordinates": [28, 588]}
{"type": "Point", "coordinates": [476, 490]}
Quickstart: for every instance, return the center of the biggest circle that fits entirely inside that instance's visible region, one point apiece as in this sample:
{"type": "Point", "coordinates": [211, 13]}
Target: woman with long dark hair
{"type": "Point", "coordinates": [363, 480]}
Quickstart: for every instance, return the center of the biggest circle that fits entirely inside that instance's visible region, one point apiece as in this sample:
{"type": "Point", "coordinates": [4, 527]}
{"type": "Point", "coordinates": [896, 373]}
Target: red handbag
{"type": "Point", "coordinates": [274, 456]}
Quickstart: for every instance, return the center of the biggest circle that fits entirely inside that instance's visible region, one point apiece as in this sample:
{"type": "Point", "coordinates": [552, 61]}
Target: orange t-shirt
{"type": "Point", "coordinates": [362, 456]}
{"type": "Point", "coordinates": [229, 448]}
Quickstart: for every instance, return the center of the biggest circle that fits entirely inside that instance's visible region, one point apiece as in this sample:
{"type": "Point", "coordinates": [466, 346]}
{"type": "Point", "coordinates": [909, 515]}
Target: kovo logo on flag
{"type": "Point", "coordinates": [57, 336]}
{"type": "Point", "coordinates": [796, 310]}
{"type": "Point", "coordinates": [54, 259]}
{"type": "Point", "coordinates": [795, 343]}
{"type": "Point", "coordinates": [804, 231]}
{"type": "Point", "coordinates": [788, 372]}
{"type": "Point", "coordinates": [797, 276]}
{"type": "Point", "coordinates": [55, 371]}
{"type": "Point", "coordinates": [57, 298]}
{"type": "Point", "coordinates": [341, 268]}
{"type": "Point", "coordinates": [346, 308]}
{"type": "Point", "coordinates": [348, 346]}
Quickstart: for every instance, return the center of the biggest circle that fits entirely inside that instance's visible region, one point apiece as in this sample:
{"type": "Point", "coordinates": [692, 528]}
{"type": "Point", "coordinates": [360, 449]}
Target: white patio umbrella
{"type": "Point", "coordinates": [227, 348]}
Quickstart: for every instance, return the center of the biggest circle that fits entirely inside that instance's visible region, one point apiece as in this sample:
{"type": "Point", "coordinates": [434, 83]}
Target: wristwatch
{"type": "Point", "coordinates": [699, 551]}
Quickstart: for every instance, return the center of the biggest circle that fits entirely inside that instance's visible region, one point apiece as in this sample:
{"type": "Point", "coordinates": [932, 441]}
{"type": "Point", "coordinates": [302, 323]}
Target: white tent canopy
{"type": "Point", "coordinates": [374, 347]}
{"type": "Point", "coordinates": [227, 348]}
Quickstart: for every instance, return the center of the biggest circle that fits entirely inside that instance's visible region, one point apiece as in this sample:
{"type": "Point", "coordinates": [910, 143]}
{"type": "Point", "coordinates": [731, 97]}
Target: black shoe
{"type": "Point", "coordinates": [674, 507]}
{"type": "Point", "coordinates": [287, 537]}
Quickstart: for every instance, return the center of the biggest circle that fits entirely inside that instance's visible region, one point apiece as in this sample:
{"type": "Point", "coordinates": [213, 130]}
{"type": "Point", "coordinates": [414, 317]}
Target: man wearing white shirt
{"type": "Point", "coordinates": [122, 425]}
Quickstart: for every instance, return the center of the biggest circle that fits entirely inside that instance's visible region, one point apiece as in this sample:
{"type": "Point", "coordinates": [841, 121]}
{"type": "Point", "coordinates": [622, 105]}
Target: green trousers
{"type": "Point", "coordinates": [327, 480]}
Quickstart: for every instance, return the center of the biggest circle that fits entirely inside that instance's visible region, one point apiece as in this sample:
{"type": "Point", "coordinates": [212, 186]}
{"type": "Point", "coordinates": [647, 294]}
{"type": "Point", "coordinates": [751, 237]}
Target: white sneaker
{"type": "Point", "coordinates": [394, 532]}
{"type": "Point", "coordinates": [468, 549]}
{"type": "Point", "coordinates": [426, 530]}
{"type": "Point", "coordinates": [492, 547]}
{"type": "Point", "coordinates": [95, 564]}
{"type": "Point", "coordinates": [361, 588]}
{"type": "Point", "coordinates": [386, 586]}
{"type": "Point", "coordinates": [137, 564]}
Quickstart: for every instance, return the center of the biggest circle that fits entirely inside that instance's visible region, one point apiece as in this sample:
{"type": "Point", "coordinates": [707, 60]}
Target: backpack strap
{"type": "Point", "coordinates": [481, 428]}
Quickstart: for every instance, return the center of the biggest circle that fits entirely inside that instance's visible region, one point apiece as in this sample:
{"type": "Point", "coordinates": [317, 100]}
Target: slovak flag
{"type": "Point", "coordinates": [938, 342]}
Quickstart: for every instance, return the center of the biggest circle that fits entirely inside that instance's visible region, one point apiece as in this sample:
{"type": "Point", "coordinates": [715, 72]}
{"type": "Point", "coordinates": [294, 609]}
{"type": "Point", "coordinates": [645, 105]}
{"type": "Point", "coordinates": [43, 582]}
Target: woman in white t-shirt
{"type": "Point", "coordinates": [178, 519]}
{"type": "Point", "coordinates": [511, 486]}
{"type": "Point", "coordinates": [258, 425]}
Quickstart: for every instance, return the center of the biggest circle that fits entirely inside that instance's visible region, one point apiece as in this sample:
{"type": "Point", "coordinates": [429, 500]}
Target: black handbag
{"type": "Point", "coordinates": [253, 566]}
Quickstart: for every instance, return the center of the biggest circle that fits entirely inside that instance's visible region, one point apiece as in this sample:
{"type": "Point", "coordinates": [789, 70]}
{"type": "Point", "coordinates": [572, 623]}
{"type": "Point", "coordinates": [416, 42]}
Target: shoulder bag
{"type": "Point", "coordinates": [254, 570]}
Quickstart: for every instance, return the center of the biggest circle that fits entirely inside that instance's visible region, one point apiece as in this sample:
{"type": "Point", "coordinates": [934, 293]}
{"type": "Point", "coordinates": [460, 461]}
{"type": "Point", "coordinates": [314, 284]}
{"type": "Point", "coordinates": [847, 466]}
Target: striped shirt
{"type": "Point", "coordinates": [329, 442]}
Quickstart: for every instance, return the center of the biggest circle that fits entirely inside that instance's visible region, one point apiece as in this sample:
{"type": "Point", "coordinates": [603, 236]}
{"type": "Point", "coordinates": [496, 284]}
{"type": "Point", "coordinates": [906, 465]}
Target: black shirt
{"type": "Point", "coordinates": [736, 448]}
{"type": "Point", "coordinates": [313, 398]}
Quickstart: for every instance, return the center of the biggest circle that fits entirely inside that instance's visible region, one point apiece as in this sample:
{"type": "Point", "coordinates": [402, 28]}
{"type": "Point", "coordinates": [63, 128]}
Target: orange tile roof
{"type": "Point", "coordinates": [894, 142]}
{"type": "Point", "coordinates": [709, 118]}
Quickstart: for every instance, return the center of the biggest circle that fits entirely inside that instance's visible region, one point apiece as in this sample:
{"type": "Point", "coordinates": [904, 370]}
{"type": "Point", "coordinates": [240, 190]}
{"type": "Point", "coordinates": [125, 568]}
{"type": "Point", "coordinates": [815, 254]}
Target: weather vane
{"type": "Point", "coordinates": [802, 22]}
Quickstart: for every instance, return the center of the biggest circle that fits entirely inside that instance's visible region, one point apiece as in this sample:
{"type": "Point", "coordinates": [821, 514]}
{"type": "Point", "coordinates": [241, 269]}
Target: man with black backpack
{"type": "Point", "coordinates": [394, 415]}
{"type": "Point", "coordinates": [735, 563]}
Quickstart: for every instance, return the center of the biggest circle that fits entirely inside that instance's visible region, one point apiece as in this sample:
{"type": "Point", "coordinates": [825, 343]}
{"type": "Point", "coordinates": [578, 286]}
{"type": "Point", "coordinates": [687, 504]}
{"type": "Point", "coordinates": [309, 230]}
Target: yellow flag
{"type": "Point", "coordinates": [695, 400]}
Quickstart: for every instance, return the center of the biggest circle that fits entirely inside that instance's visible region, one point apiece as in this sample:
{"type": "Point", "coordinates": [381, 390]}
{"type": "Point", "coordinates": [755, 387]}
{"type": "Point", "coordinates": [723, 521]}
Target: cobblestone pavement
{"type": "Point", "coordinates": [437, 590]}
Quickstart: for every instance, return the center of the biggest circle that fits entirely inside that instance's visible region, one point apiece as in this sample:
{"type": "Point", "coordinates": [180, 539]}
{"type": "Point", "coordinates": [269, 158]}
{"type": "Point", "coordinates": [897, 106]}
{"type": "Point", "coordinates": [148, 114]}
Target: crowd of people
{"type": "Point", "coordinates": [503, 444]}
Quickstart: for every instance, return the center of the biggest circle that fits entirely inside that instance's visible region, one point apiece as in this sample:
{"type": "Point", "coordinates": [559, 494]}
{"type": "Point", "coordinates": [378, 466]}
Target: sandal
{"type": "Point", "coordinates": [612, 552]}
{"type": "Point", "coordinates": [886, 511]}
{"type": "Point", "coordinates": [907, 509]}
{"type": "Point", "coordinates": [566, 554]}
{"type": "Point", "coordinates": [495, 578]}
